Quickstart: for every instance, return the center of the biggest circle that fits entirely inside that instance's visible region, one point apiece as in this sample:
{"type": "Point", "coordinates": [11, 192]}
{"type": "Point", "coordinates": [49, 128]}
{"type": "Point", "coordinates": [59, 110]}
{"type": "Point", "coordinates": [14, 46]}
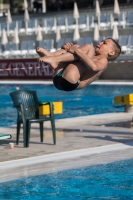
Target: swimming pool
{"type": "Point", "coordinates": [94, 99]}
{"type": "Point", "coordinates": [109, 181]}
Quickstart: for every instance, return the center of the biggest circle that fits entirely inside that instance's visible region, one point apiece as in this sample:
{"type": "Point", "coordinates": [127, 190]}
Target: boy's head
{"type": "Point", "coordinates": [109, 48]}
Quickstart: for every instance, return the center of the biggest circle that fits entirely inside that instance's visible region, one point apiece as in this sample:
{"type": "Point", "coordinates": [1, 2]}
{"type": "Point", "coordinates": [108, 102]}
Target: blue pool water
{"type": "Point", "coordinates": [112, 181]}
{"type": "Point", "coordinates": [94, 99]}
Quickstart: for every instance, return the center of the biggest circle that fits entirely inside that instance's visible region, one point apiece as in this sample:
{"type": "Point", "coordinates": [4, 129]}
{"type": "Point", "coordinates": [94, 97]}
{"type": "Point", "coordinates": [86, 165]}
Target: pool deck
{"type": "Point", "coordinates": [81, 141]}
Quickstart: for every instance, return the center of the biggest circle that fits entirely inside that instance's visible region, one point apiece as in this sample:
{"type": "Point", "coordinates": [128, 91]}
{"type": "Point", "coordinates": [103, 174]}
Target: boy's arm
{"type": "Point", "coordinates": [89, 62]}
{"type": "Point", "coordinates": [67, 46]}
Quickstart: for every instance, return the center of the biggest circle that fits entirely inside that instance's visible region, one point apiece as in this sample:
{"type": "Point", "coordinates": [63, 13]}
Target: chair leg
{"type": "Point", "coordinates": [53, 123]}
{"type": "Point", "coordinates": [41, 131]}
{"type": "Point", "coordinates": [53, 130]}
{"type": "Point", "coordinates": [18, 132]}
{"type": "Point", "coordinates": [24, 134]}
{"type": "Point", "coordinates": [28, 126]}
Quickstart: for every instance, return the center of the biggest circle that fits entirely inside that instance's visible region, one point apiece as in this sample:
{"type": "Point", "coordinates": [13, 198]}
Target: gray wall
{"type": "Point", "coordinates": [118, 71]}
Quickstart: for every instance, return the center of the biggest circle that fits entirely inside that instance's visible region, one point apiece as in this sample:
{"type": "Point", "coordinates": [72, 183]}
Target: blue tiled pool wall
{"type": "Point", "coordinates": [94, 99]}
{"type": "Point", "coordinates": [108, 181]}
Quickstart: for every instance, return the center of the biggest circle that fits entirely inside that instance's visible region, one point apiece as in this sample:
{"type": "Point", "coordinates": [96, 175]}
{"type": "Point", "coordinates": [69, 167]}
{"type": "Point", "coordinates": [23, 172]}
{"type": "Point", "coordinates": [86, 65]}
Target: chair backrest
{"type": "Point", "coordinates": [20, 24]}
{"type": "Point", "coordinates": [42, 44]}
{"type": "Point", "coordinates": [14, 46]}
{"type": "Point", "coordinates": [7, 46]}
{"type": "Point", "coordinates": [82, 19]}
{"type": "Point", "coordinates": [88, 40]}
{"type": "Point", "coordinates": [31, 23]}
{"type": "Point", "coordinates": [81, 41]}
{"type": "Point", "coordinates": [61, 20]}
{"type": "Point", "coordinates": [130, 15]}
{"type": "Point", "coordinates": [50, 44]}
{"type": "Point", "coordinates": [108, 18]}
{"type": "Point", "coordinates": [103, 17]}
{"type": "Point", "coordinates": [12, 25]}
{"type": "Point", "coordinates": [50, 21]}
{"type": "Point", "coordinates": [70, 20]}
{"type": "Point", "coordinates": [24, 45]}
{"type": "Point", "coordinates": [130, 40]}
{"type": "Point", "coordinates": [108, 36]}
{"type": "Point", "coordinates": [31, 44]}
{"type": "Point", "coordinates": [91, 18]}
{"type": "Point", "coordinates": [28, 101]}
{"type": "Point", "coordinates": [3, 25]}
{"type": "Point", "coordinates": [101, 38]}
{"type": "Point", "coordinates": [68, 40]}
{"type": "Point", "coordinates": [60, 43]}
{"type": "Point", "coordinates": [123, 40]}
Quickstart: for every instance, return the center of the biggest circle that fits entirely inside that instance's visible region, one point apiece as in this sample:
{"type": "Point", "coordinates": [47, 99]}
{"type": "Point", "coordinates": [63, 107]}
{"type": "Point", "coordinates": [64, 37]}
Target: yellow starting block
{"type": "Point", "coordinates": [124, 100]}
{"type": "Point", "coordinates": [58, 109]}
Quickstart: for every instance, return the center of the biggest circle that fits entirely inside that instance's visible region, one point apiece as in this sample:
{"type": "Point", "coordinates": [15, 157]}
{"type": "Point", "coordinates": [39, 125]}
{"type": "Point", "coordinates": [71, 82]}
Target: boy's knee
{"type": "Point", "coordinates": [87, 46]}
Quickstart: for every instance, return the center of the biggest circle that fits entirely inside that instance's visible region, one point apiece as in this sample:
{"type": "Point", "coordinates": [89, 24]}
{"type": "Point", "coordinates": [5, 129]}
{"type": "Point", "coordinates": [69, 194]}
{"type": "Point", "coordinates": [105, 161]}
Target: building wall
{"type": "Point", "coordinates": [118, 71]}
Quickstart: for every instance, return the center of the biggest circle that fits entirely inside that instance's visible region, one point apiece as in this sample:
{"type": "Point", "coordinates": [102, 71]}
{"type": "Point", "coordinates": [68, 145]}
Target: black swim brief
{"type": "Point", "coordinates": [62, 84]}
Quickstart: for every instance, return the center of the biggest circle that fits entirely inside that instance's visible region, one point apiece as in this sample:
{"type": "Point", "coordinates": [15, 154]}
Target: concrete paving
{"type": "Point", "coordinates": [81, 141]}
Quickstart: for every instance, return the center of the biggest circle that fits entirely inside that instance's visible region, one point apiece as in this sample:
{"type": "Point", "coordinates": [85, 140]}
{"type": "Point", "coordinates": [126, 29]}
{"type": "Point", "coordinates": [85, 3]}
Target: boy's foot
{"type": "Point", "coordinates": [42, 52]}
{"type": "Point", "coordinates": [49, 59]}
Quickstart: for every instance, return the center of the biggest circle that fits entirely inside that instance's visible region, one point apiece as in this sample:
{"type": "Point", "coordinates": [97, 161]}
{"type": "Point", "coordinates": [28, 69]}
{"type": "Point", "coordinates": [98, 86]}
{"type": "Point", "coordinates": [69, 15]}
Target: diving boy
{"type": "Point", "coordinates": [77, 66]}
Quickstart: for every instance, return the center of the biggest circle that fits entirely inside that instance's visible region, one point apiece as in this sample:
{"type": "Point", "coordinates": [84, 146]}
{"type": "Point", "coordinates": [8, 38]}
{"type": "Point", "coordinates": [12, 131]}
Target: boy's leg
{"type": "Point", "coordinates": [60, 67]}
{"type": "Point", "coordinates": [43, 52]}
{"type": "Point", "coordinates": [67, 57]}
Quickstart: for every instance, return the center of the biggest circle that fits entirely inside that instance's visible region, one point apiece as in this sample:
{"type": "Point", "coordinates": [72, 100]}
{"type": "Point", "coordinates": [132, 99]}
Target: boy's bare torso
{"type": "Point", "coordinates": [88, 64]}
{"type": "Point", "coordinates": [86, 75]}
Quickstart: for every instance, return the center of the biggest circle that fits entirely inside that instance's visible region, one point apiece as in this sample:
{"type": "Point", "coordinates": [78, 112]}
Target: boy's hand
{"type": "Point", "coordinates": [73, 48]}
{"type": "Point", "coordinates": [67, 46]}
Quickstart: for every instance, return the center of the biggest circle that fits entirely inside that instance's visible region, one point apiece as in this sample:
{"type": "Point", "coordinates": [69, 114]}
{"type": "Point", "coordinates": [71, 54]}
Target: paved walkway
{"type": "Point", "coordinates": [81, 141]}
